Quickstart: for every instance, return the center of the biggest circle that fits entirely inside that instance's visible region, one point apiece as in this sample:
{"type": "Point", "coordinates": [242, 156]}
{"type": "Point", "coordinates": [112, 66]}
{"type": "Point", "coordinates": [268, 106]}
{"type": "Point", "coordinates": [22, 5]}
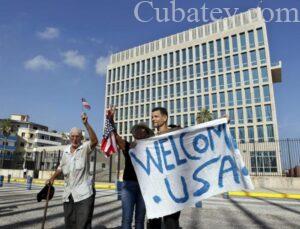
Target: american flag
{"type": "Point", "coordinates": [85, 104]}
{"type": "Point", "coordinates": [108, 143]}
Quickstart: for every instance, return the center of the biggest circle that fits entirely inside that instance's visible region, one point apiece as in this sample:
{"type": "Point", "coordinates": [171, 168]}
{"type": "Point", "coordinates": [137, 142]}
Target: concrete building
{"type": "Point", "coordinates": [224, 66]}
{"type": "Point", "coordinates": [30, 135]}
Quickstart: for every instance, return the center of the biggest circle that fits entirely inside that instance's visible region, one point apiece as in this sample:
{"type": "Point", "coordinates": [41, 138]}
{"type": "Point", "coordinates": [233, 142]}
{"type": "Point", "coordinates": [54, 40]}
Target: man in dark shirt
{"type": "Point", "coordinates": [131, 193]}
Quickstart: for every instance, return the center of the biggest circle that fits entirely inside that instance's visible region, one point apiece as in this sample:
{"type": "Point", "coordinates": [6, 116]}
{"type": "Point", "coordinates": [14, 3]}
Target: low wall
{"type": "Point", "coordinates": [276, 182]}
{"type": "Point", "coordinates": [15, 173]}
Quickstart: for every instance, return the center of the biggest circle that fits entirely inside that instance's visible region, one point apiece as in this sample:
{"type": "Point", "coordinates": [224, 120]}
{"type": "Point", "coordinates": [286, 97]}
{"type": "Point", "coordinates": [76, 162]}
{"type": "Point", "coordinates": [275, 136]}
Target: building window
{"type": "Point", "coordinates": [171, 59]}
{"type": "Point", "coordinates": [231, 116]}
{"type": "Point", "coordinates": [232, 132]}
{"type": "Point", "coordinates": [228, 63]}
{"type": "Point", "coordinates": [183, 51]}
{"type": "Point", "coordinates": [260, 36]}
{"type": "Point", "coordinates": [191, 54]}
{"type": "Point", "coordinates": [221, 81]}
{"type": "Point", "coordinates": [239, 99]}
{"type": "Point", "coordinates": [255, 75]}
{"type": "Point", "coordinates": [245, 59]}
{"type": "Point", "coordinates": [264, 74]}
{"type": "Point", "coordinates": [204, 51]}
{"type": "Point", "coordinates": [270, 133]}
{"type": "Point", "coordinates": [230, 98]}
{"type": "Point", "coordinates": [213, 83]}
{"type": "Point", "coordinates": [260, 133]}
{"type": "Point", "coordinates": [177, 57]}
{"type": "Point", "coordinates": [192, 103]}
{"type": "Point", "coordinates": [206, 84]}
{"type": "Point", "coordinates": [229, 80]}
{"type": "Point", "coordinates": [199, 102]}
{"type": "Point", "coordinates": [251, 39]}
{"type": "Point", "coordinates": [237, 77]}
{"type": "Point", "coordinates": [198, 82]}
{"type": "Point", "coordinates": [257, 95]}
{"type": "Point", "coordinates": [222, 99]}
{"type": "Point", "coordinates": [219, 47]}
{"type": "Point", "coordinates": [212, 67]}
{"type": "Point", "coordinates": [211, 49]}
{"type": "Point", "coordinates": [262, 56]}
{"type": "Point", "coordinates": [191, 71]}
{"type": "Point", "coordinates": [220, 65]}
{"type": "Point", "coordinates": [178, 108]}
{"type": "Point", "coordinates": [258, 113]}
{"type": "Point", "coordinates": [253, 57]}
{"type": "Point", "coordinates": [246, 77]}
{"type": "Point", "coordinates": [226, 45]}
{"type": "Point", "coordinates": [251, 134]}
{"type": "Point", "coordinates": [236, 61]}
{"type": "Point", "coordinates": [249, 115]}
{"type": "Point", "coordinates": [198, 70]}
{"type": "Point", "coordinates": [248, 95]}
{"type": "Point", "coordinates": [197, 52]}
{"type": "Point", "coordinates": [205, 68]}
{"type": "Point", "coordinates": [234, 43]}
{"type": "Point", "coordinates": [185, 104]}
{"type": "Point", "coordinates": [206, 100]}
{"type": "Point", "coordinates": [263, 161]}
{"type": "Point", "coordinates": [266, 93]}
{"type": "Point", "coordinates": [240, 115]}
{"type": "Point", "coordinates": [268, 112]}
{"type": "Point", "coordinates": [184, 87]}
{"type": "Point", "coordinates": [214, 100]}
{"type": "Point", "coordinates": [242, 134]}
{"type": "Point", "coordinates": [165, 60]}
{"type": "Point", "coordinates": [184, 72]}
{"type": "Point", "coordinates": [243, 41]}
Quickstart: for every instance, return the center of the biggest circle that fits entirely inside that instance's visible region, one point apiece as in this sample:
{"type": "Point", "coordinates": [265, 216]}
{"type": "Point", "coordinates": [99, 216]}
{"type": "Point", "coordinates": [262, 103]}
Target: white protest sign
{"type": "Point", "coordinates": [180, 168]}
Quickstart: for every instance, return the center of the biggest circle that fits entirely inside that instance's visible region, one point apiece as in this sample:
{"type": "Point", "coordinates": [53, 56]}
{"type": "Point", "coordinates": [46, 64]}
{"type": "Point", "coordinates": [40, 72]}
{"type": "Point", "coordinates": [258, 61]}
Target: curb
{"type": "Point", "coordinates": [110, 186]}
{"type": "Point", "coordinates": [266, 195]}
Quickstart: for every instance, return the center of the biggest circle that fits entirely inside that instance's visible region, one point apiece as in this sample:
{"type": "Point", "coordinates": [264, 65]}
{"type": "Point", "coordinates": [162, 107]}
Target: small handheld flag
{"type": "Point", "coordinates": [108, 143]}
{"type": "Point", "coordinates": [85, 104]}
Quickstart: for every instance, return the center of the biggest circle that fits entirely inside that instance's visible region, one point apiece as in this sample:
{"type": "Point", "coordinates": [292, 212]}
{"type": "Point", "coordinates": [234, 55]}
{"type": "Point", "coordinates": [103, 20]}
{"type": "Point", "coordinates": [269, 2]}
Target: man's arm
{"type": "Point", "coordinates": [92, 135]}
{"type": "Point", "coordinates": [110, 113]}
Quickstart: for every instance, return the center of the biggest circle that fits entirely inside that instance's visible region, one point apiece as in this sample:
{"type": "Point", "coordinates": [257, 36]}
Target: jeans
{"type": "Point", "coordinates": [132, 198]}
{"type": "Point", "coordinates": [79, 215]}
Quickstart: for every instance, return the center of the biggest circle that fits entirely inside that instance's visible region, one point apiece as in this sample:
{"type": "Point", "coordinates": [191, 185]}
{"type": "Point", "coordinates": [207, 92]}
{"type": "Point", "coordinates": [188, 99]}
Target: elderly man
{"type": "Point", "coordinates": [78, 193]}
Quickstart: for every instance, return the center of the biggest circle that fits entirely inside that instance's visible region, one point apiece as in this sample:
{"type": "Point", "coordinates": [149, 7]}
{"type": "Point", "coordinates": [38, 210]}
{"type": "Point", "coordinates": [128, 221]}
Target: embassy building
{"type": "Point", "coordinates": [224, 66]}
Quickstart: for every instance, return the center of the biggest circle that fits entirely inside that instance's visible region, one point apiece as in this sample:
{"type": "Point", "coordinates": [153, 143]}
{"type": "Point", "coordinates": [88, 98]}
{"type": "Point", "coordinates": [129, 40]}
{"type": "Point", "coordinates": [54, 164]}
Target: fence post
{"type": "Point", "coordinates": [289, 152]}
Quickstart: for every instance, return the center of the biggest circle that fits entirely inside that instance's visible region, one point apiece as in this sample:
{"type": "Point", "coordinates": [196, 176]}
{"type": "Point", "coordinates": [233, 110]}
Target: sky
{"type": "Point", "coordinates": [53, 53]}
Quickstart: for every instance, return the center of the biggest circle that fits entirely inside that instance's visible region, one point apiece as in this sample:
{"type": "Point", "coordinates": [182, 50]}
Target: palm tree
{"type": "Point", "coordinates": [204, 116]}
{"type": "Point", "coordinates": [6, 128]}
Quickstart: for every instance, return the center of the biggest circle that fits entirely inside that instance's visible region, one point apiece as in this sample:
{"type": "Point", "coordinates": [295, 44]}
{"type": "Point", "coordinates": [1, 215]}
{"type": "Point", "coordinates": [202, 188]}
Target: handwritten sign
{"type": "Point", "coordinates": [180, 168]}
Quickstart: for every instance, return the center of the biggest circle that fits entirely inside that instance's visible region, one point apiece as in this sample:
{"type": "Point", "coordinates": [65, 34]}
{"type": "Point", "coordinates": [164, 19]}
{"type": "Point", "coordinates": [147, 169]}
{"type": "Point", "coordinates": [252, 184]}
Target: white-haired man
{"type": "Point", "coordinates": [78, 192]}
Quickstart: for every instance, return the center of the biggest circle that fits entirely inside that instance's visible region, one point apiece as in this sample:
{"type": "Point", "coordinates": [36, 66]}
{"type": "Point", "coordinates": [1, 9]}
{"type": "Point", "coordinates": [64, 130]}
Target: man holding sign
{"type": "Point", "coordinates": [178, 169]}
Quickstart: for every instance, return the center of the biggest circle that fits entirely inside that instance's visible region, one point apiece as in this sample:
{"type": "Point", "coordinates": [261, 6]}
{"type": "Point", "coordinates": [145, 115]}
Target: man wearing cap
{"type": "Point", "coordinates": [78, 192]}
{"type": "Point", "coordinates": [131, 193]}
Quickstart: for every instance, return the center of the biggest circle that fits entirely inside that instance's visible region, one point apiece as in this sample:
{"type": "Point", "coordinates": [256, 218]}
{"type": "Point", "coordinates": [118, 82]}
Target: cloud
{"type": "Point", "coordinates": [39, 63]}
{"type": "Point", "coordinates": [74, 59]}
{"type": "Point", "coordinates": [95, 40]}
{"type": "Point", "coordinates": [49, 33]}
{"type": "Point", "coordinates": [101, 64]}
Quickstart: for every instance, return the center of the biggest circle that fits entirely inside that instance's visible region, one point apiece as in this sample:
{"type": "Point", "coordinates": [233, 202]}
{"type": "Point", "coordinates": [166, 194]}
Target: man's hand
{"type": "Point", "coordinates": [84, 118]}
{"type": "Point", "coordinates": [110, 112]}
{"type": "Point", "coordinates": [50, 181]}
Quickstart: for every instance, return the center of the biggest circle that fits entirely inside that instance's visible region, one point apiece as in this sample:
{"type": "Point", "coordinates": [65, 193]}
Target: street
{"type": "Point", "coordinates": [19, 209]}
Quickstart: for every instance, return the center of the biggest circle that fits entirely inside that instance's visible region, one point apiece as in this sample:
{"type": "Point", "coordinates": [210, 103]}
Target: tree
{"type": "Point", "coordinates": [204, 116]}
{"type": "Point", "coordinates": [6, 127]}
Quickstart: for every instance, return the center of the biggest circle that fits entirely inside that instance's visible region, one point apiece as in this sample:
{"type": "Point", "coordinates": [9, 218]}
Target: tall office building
{"type": "Point", "coordinates": [224, 66]}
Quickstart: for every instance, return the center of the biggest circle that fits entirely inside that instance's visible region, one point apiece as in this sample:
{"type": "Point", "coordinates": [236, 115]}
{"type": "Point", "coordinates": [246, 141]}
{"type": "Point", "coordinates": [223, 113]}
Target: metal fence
{"type": "Point", "coordinates": [273, 157]}
{"type": "Point", "coordinates": [262, 158]}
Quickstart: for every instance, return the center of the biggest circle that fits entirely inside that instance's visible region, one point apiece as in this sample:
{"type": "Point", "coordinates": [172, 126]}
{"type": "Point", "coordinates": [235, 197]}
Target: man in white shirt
{"type": "Point", "coordinates": [78, 192]}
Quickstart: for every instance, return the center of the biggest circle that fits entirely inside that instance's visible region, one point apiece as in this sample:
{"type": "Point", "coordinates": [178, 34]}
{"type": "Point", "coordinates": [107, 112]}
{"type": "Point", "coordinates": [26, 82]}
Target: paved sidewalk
{"type": "Point", "coordinates": [19, 209]}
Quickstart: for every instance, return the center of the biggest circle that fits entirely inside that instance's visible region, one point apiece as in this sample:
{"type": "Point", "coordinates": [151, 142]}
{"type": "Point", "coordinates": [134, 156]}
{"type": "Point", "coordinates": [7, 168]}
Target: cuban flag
{"type": "Point", "coordinates": [85, 104]}
{"type": "Point", "coordinates": [108, 143]}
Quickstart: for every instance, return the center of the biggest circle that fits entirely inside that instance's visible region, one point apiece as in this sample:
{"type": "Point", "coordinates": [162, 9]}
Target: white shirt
{"type": "Point", "coordinates": [75, 167]}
